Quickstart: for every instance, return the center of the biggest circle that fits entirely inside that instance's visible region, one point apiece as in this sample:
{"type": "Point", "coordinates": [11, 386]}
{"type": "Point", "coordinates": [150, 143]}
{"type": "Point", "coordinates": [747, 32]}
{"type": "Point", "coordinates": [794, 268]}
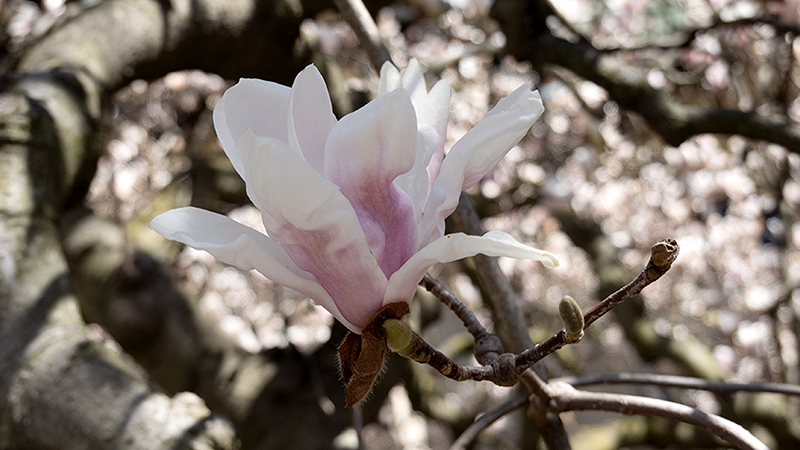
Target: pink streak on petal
{"type": "Point", "coordinates": [317, 226]}
{"type": "Point", "coordinates": [366, 151]}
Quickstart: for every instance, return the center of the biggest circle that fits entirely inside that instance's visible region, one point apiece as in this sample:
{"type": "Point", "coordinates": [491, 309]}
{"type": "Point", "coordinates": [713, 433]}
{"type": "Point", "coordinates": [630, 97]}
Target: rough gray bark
{"type": "Point", "coordinates": [60, 389]}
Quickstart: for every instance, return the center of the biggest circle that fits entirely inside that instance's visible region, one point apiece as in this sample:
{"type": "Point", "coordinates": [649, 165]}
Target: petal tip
{"type": "Point", "coordinates": [550, 261]}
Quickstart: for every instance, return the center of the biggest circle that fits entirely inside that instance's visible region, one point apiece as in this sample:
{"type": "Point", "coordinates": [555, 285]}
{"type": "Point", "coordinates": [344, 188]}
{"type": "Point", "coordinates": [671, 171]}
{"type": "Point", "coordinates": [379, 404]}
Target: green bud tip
{"type": "Point", "coordinates": [572, 316]}
{"type": "Point", "coordinates": [398, 334]}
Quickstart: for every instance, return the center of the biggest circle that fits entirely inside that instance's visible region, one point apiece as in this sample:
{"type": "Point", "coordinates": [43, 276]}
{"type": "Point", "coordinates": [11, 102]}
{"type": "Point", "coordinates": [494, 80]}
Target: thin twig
{"type": "Point", "coordinates": [487, 346]}
{"type": "Point", "coordinates": [719, 387]}
{"type": "Point", "coordinates": [406, 342]}
{"type": "Point", "coordinates": [662, 255]}
{"type": "Point", "coordinates": [471, 322]}
{"type": "Point", "coordinates": [564, 397]}
{"type": "Point", "coordinates": [505, 369]}
{"type": "Point", "coordinates": [487, 419]}
{"type": "Point", "coordinates": [357, 16]}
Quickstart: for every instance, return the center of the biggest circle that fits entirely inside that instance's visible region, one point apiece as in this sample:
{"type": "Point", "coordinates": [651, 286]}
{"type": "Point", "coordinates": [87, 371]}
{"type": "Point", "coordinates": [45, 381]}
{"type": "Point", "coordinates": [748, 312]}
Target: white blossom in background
{"type": "Point", "coordinates": [354, 209]}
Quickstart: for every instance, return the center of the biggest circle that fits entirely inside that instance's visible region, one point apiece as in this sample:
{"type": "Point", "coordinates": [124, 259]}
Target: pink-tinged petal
{"type": "Point", "coordinates": [258, 105]}
{"type": "Point", "coordinates": [454, 247]}
{"type": "Point", "coordinates": [390, 79]}
{"type": "Point", "coordinates": [241, 246]}
{"type": "Point", "coordinates": [365, 152]}
{"type": "Point", "coordinates": [317, 227]}
{"type": "Point", "coordinates": [432, 109]}
{"type": "Point", "coordinates": [474, 155]}
{"type": "Point", "coordinates": [415, 182]}
{"type": "Point", "coordinates": [311, 116]}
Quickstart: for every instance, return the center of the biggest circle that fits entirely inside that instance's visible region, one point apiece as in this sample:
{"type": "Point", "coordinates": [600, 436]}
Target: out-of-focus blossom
{"type": "Point", "coordinates": [354, 208]}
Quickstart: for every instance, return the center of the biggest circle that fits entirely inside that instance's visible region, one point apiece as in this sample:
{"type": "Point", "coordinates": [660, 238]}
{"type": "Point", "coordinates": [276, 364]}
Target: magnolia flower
{"type": "Point", "coordinates": [354, 209]}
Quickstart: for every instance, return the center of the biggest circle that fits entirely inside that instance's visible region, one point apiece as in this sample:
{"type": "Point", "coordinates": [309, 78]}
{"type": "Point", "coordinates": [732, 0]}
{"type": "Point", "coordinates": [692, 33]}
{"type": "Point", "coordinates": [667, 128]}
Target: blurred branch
{"type": "Point", "coordinates": [566, 398]}
{"type": "Point", "coordinates": [502, 297]}
{"type": "Point", "coordinates": [673, 121]}
{"type": "Point", "coordinates": [718, 387]}
{"type": "Point", "coordinates": [630, 432]}
{"type": "Point", "coordinates": [357, 16]}
{"type": "Point", "coordinates": [530, 39]}
{"type": "Point", "coordinates": [483, 422]}
{"type": "Point", "coordinates": [234, 38]}
{"type": "Point", "coordinates": [689, 36]}
{"type": "Point", "coordinates": [358, 424]}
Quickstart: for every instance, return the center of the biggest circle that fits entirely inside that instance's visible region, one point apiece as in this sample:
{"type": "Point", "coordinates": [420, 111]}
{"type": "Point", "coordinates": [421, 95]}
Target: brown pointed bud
{"type": "Point", "coordinates": [572, 316]}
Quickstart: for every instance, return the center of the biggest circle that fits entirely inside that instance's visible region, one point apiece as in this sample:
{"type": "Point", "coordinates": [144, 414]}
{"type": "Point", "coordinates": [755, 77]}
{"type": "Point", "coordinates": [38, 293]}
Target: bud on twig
{"type": "Point", "coordinates": [399, 336]}
{"type": "Point", "coordinates": [662, 255]}
{"type": "Point", "coordinates": [572, 316]}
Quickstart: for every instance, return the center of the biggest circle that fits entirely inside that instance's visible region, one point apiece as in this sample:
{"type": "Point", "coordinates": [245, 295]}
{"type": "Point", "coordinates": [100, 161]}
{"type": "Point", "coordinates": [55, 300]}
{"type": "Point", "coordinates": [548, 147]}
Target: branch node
{"type": "Point", "coordinates": [505, 369]}
{"type": "Point", "coordinates": [487, 348]}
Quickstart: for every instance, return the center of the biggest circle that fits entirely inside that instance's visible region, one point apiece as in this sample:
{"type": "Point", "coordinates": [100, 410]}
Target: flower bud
{"type": "Point", "coordinates": [398, 335]}
{"type": "Point", "coordinates": [572, 316]}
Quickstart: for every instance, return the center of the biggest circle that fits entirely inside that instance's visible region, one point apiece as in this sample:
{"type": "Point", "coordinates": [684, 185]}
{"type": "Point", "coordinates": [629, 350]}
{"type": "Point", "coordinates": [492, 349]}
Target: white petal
{"type": "Point", "coordinates": [256, 104]}
{"type": "Point", "coordinates": [490, 139]}
{"type": "Point", "coordinates": [376, 141]}
{"type": "Point", "coordinates": [414, 81]}
{"type": "Point", "coordinates": [520, 94]}
{"type": "Point", "coordinates": [415, 182]}
{"type": "Point", "coordinates": [435, 111]}
{"type": "Point", "coordinates": [317, 226]}
{"type": "Point", "coordinates": [241, 246]}
{"type": "Point", "coordinates": [310, 117]}
{"type": "Point", "coordinates": [474, 155]}
{"type": "Point", "coordinates": [434, 108]}
{"type": "Point", "coordinates": [390, 79]}
{"type": "Point", "coordinates": [457, 246]}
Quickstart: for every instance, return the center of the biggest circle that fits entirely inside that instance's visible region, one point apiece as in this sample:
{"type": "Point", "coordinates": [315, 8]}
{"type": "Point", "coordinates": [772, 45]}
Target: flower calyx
{"type": "Point", "coordinates": [361, 355]}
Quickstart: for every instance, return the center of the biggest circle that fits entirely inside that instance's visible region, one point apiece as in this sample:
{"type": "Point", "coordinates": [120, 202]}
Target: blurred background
{"type": "Point", "coordinates": [606, 172]}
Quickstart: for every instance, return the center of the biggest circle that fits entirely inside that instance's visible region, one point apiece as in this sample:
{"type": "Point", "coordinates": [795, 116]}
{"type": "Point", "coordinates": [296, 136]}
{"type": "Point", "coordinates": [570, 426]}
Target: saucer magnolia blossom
{"type": "Point", "coordinates": [354, 208]}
